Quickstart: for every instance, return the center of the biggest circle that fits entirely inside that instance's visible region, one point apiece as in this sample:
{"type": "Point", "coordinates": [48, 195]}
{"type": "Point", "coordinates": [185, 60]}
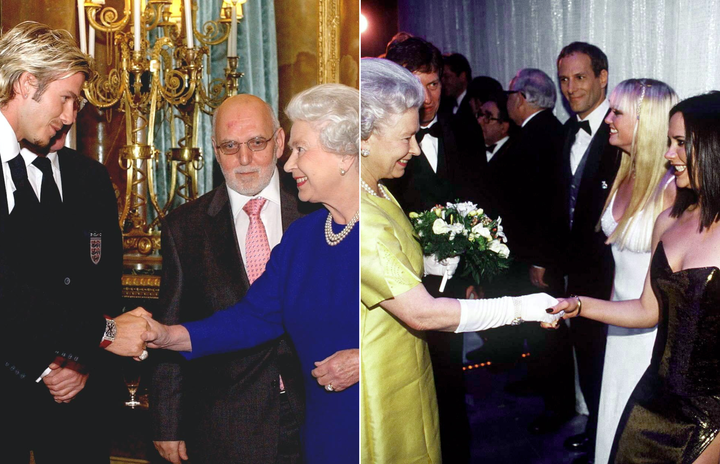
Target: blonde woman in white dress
{"type": "Point", "coordinates": [642, 189]}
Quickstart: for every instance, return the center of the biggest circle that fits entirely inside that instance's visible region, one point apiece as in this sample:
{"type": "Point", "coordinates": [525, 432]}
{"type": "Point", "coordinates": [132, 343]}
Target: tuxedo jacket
{"type": "Point", "coordinates": [588, 261]}
{"type": "Point", "coordinates": [523, 184]}
{"type": "Point", "coordinates": [59, 275]}
{"type": "Point", "coordinates": [460, 160]}
{"type": "Point", "coordinates": [226, 407]}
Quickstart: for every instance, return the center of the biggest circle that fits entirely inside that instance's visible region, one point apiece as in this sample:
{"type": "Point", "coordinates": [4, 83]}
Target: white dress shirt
{"type": "Point", "coordinates": [429, 146]}
{"type": "Point", "coordinates": [270, 215]}
{"type": "Point", "coordinates": [9, 149]}
{"type": "Point", "coordinates": [498, 146]}
{"type": "Point", "coordinates": [583, 139]}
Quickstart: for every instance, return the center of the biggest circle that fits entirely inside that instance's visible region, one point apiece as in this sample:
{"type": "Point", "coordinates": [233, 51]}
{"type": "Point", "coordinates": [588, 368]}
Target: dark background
{"type": "Point", "coordinates": [382, 17]}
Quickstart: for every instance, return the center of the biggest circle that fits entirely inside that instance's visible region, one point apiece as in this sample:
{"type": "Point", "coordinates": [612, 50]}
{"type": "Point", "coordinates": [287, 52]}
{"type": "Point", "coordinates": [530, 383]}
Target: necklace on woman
{"type": "Point", "coordinates": [333, 239]}
{"type": "Point", "coordinates": [369, 190]}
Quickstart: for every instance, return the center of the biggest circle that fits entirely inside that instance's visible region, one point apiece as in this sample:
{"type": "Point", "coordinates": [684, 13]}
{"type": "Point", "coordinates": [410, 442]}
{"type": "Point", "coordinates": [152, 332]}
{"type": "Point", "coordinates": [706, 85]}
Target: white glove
{"type": "Point", "coordinates": [434, 267]}
{"type": "Point", "coordinates": [486, 314]}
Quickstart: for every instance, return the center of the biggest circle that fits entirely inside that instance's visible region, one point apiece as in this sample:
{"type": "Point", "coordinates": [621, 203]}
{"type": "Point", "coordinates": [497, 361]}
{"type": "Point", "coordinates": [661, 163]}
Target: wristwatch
{"type": "Point", "coordinates": [110, 333]}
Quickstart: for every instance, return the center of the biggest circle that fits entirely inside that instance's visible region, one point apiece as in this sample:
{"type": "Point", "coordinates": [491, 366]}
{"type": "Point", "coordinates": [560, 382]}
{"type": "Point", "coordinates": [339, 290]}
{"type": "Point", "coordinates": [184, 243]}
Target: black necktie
{"type": "Point", "coordinates": [584, 125]}
{"type": "Point", "coordinates": [490, 148]}
{"type": "Point", "coordinates": [435, 130]}
{"type": "Point", "coordinates": [49, 193]}
{"type": "Point", "coordinates": [24, 194]}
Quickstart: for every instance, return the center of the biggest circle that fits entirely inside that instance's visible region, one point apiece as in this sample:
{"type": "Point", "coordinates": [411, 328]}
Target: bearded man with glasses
{"type": "Point", "coordinates": [244, 406]}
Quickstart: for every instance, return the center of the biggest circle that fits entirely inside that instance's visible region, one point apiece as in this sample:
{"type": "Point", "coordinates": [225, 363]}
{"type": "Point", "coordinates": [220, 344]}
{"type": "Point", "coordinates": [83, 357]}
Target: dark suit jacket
{"type": "Point", "coordinates": [522, 182]}
{"type": "Point", "coordinates": [588, 260]}
{"type": "Point", "coordinates": [226, 407]}
{"type": "Point", "coordinates": [53, 295]}
{"type": "Point", "coordinates": [460, 159]}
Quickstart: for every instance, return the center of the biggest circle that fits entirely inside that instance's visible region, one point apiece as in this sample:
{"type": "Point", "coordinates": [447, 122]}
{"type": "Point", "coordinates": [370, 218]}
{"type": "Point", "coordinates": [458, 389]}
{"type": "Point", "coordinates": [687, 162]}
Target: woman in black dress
{"type": "Point", "coordinates": [673, 415]}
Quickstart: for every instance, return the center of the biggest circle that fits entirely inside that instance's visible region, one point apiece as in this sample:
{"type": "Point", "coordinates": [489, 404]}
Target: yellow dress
{"type": "Point", "coordinates": [399, 423]}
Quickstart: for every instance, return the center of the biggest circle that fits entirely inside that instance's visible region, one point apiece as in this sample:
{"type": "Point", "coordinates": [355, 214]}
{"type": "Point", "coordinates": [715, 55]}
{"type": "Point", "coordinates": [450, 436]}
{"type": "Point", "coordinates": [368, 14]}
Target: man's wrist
{"type": "Point", "coordinates": [109, 334]}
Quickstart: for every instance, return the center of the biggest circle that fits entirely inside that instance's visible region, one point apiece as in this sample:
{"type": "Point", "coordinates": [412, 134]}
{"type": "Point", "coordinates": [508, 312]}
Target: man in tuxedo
{"type": "Point", "coordinates": [523, 179]}
{"type": "Point", "coordinates": [244, 406]}
{"type": "Point", "coordinates": [587, 170]}
{"type": "Point", "coordinates": [60, 258]}
{"type": "Point", "coordinates": [444, 172]}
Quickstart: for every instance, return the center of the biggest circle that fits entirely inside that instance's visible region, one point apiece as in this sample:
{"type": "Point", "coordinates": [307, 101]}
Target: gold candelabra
{"type": "Point", "coordinates": [156, 68]}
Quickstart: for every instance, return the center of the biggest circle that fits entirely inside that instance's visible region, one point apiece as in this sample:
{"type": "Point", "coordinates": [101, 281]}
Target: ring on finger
{"type": "Point", "coordinates": [144, 355]}
{"type": "Point", "coordinates": [329, 388]}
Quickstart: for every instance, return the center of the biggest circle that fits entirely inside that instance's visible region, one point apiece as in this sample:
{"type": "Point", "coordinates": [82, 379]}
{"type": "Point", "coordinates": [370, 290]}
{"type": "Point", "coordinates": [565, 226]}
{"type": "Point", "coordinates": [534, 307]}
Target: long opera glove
{"type": "Point", "coordinates": [485, 314]}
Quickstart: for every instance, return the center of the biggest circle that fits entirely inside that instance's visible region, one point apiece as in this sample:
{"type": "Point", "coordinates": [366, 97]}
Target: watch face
{"type": "Point", "coordinates": [110, 330]}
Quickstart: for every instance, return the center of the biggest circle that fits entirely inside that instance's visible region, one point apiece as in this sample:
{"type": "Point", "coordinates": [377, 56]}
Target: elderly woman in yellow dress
{"type": "Point", "coordinates": [399, 407]}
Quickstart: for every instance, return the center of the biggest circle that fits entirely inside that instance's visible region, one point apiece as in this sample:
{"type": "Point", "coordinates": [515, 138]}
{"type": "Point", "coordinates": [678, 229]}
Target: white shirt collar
{"type": "Point", "coordinates": [500, 143]}
{"type": "Point", "coordinates": [460, 97]}
{"type": "Point", "coordinates": [597, 116]}
{"type": "Point", "coordinates": [9, 146]}
{"type": "Point", "coordinates": [434, 120]}
{"type": "Point", "coordinates": [271, 192]}
{"type": "Point", "coordinates": [527, 120]}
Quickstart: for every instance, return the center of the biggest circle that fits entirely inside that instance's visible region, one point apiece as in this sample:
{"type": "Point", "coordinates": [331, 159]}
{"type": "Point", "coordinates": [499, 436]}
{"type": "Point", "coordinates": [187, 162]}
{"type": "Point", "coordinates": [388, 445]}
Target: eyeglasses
{"type": "Point", "coordinates": [487, 116]}
{"type": "Point", "coordinates": [231, 147]}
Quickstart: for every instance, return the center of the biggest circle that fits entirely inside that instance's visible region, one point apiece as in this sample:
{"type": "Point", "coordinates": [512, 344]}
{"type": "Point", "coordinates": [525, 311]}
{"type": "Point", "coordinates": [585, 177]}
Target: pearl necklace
{"type": "Point", "coordinates": [333, 239]}
{"type": "Point", "coordinates": [369, 190]}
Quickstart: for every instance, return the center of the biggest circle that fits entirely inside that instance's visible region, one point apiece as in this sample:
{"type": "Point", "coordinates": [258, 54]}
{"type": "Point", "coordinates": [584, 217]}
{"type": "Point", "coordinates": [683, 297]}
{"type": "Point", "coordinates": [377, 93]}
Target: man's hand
{"type": "Point", "coordinates": [537, 277]}
{"type": "Point", "coordinates": [130, 327]}
{"type": "Point", "coordinates": [64, 383]}
{"type": "Point", "coordinates": [341, 370]}
{"type": "Point", "coordinates": [173, 451]}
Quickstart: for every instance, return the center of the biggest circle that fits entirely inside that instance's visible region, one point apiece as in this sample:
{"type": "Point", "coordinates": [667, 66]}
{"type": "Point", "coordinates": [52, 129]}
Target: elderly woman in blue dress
{"type": "Point", "coordinates": [310, 285]}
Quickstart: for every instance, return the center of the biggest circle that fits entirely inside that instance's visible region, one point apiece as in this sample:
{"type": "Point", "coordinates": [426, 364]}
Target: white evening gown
{"type": "Point", "coordinates": [628, 351]}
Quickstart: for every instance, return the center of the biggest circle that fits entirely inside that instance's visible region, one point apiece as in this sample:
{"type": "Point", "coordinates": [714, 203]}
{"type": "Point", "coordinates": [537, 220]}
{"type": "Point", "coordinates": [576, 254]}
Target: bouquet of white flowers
{"type": "Point", "coordinates": [463, 229]}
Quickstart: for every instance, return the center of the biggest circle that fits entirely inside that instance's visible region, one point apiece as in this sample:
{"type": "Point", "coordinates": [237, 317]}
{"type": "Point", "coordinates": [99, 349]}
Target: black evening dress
{"type": "Point", "coordinates": [674, 411]}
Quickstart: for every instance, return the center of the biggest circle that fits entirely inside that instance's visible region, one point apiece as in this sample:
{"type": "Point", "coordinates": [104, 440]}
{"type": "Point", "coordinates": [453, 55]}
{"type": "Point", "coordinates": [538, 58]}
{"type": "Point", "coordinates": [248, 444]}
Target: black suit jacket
{"type": "Point", "coordinates": [52, 292]}
{"type": "Point", "coordinates": [588, 261]}
{"type": "Point", "coordinates": [226, 407]}
{"type": "Point", "coordinates": [460, 160]}
{"type": "Point", "coordinates": [522, 180]}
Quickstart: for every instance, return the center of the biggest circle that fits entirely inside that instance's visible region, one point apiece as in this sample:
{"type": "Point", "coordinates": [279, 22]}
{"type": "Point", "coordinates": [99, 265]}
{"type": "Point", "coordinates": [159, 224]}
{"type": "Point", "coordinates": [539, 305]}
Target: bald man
{"type": "Point", "coordinates": [246, 406]}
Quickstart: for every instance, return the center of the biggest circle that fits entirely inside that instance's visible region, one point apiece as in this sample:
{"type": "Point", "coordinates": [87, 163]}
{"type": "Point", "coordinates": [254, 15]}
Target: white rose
{"type": "Point", "coordinates": [482, 231]}
{"type": "Point", "coordinates": [440, 227]}
{"type": "Point", "coordinates": [465, 208]}
{"type": "Point", "coordinates": [498, 247]}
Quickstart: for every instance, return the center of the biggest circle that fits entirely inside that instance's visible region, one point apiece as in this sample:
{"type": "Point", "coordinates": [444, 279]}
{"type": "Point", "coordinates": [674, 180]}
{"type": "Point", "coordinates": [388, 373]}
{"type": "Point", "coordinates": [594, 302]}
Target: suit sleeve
{"type": "Point", "coordinates": [167, 374]}
{"type": "Point", "coordinates": [255, 319]}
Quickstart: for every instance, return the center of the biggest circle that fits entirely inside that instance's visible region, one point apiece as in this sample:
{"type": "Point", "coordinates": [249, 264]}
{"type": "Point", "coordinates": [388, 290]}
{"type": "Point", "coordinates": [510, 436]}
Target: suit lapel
{"type": "Point", "coordinates": [221, 231]}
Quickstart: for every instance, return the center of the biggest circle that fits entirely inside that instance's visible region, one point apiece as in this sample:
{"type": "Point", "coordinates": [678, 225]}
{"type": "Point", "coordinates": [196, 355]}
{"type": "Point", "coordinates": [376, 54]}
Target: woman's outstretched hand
{"type": "Point", "coordinates": [568, 307]}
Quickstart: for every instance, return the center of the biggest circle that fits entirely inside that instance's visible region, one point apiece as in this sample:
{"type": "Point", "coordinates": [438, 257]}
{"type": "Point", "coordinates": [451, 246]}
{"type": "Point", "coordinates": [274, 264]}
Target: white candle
{"type": "Point", "coordinates": [81, 25]}
{"type": "Point", "coordinates": [137, 20]}
{"type": "Point", "coordinates": [91, 42]}
{"type": "Point", "coordinates": [232, 37]}
{"type": "Point", "coordinates": [189, 24]}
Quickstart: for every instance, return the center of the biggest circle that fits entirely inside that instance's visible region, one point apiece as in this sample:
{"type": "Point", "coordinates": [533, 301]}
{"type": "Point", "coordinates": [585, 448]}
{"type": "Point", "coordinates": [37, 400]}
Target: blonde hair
{"type": "Point", "coordinates": [48, 54]}
{"type": "Point", "coordinates": [649, 102]}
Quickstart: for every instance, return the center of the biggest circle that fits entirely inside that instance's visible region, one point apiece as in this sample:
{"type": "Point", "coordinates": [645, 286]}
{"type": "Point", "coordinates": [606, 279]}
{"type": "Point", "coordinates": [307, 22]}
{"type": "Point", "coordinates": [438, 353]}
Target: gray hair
{"type": "Point", "coordinates": [538, 88]}
{"type": "Point", "coordinates": [271, 112]}
{"type": "Point", "coordinates": [333, 110]}
{"type": "Point", "coordinates": [388, 91]}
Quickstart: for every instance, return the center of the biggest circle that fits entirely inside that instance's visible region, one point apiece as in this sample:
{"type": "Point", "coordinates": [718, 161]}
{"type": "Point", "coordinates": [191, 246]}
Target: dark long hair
{"type": "Point", "coordinates": [701, 115]}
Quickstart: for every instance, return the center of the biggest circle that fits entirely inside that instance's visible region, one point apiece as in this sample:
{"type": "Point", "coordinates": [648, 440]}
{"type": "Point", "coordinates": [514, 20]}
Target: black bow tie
{"type": "Point", "coordinates": [584, 125]}
{"type": "Point", "coordinates": [490, 148]}
{"type": "Point", "coordinates": [434, 130]}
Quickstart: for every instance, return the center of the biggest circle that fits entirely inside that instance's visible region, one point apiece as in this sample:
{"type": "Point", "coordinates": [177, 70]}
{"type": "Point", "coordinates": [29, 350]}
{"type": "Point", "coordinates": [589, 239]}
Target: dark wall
{"type": "Point", "coordinates": [382, 17]}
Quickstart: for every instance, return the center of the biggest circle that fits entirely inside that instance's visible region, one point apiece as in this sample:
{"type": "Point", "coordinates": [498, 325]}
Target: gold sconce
{"type": "Point", "coordinates": [157, 80]}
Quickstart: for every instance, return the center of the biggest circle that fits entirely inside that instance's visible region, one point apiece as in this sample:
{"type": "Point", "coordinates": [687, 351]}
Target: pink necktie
{"type": "Point", "coordinates": [257, 248]}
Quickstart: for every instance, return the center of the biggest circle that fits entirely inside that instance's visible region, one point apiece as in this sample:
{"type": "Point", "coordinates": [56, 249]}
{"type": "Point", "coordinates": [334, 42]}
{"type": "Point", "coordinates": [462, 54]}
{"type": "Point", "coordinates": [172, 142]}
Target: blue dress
{"type": "Point", "coordinates": [309, 290]}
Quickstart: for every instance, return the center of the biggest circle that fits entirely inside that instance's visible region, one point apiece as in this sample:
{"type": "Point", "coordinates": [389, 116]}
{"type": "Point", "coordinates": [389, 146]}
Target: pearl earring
{"type": "Point", "coordinates": [342, 172]}
{"type": "Point", "coordinates": [365, 152]}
